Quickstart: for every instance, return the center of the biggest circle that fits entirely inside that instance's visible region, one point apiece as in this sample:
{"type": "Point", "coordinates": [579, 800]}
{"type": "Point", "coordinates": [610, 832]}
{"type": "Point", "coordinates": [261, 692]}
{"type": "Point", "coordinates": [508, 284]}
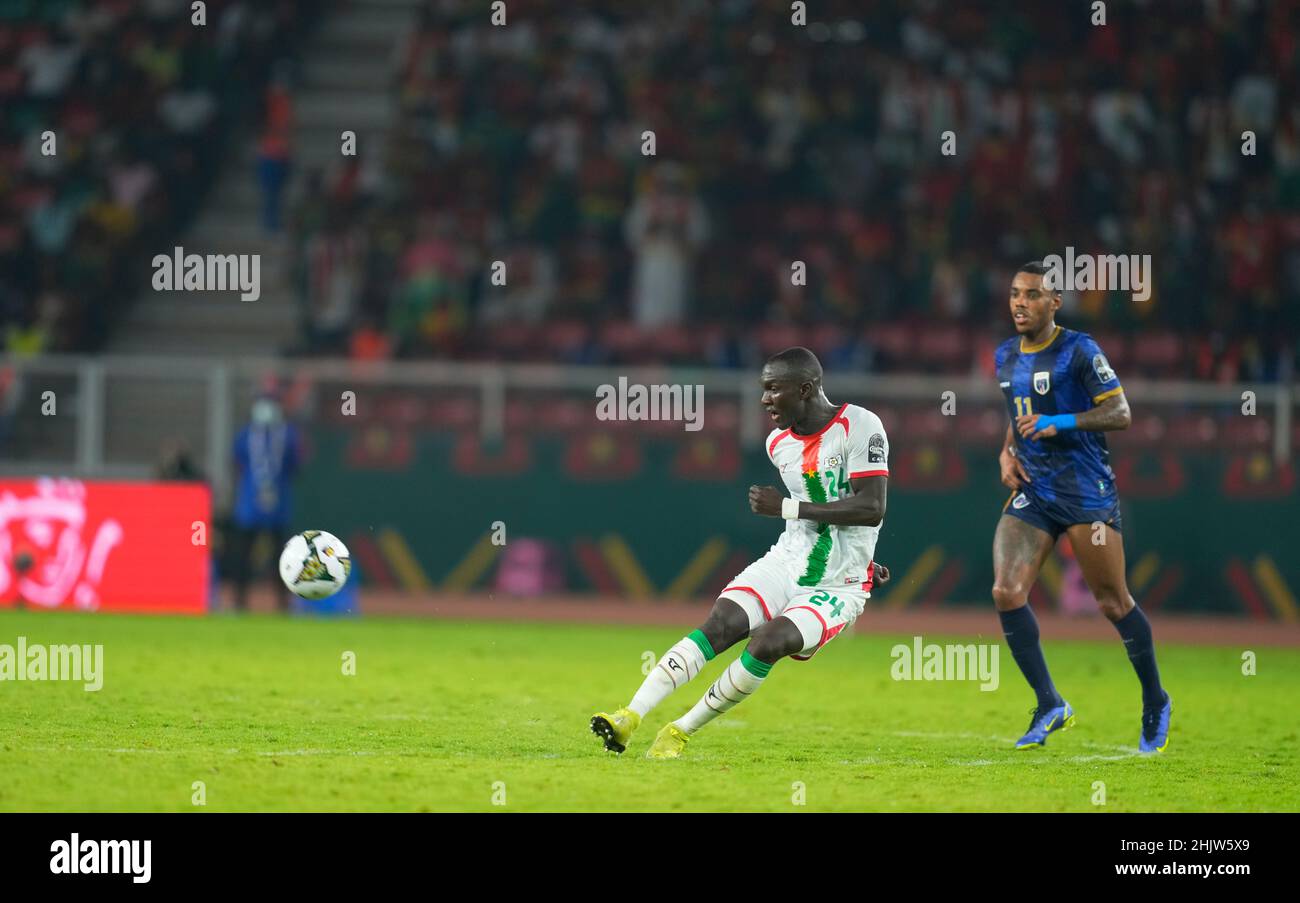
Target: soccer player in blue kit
{"type": "Point", "coordinates": [1063, 396]}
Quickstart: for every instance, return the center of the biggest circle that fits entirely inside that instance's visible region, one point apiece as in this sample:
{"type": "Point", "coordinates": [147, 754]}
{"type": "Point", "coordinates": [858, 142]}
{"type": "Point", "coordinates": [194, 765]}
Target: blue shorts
{"type": "Point", "coordinates": [1053, 518]}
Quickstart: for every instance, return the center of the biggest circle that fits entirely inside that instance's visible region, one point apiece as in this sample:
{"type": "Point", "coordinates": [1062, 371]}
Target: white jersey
{"type": "Point", "coordinates": [818, 468]}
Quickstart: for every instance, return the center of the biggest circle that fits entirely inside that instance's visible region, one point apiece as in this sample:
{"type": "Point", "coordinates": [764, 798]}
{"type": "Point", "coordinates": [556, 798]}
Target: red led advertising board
{"type": "Point", "coordinates": [104, 546]}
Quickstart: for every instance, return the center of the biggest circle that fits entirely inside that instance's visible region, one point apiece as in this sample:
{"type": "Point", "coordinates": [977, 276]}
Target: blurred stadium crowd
{"type": "Point", "coordinates": [142, 106]}
{"type": "Point", "coordinates": [773, 144]}
{"type": "Point", "coordinates": [822, 144]}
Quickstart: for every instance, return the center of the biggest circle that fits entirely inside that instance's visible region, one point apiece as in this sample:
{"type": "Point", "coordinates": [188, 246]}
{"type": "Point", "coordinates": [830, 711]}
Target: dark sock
{"type": "Point", "coordinates": [1136, 632]}
{"type": "Point", "coordinates": [1020, 628]}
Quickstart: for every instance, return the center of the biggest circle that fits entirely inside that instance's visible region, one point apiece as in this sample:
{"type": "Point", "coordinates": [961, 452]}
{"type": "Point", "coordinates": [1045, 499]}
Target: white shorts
{"type": "Point", "coordinates": [769, 588]}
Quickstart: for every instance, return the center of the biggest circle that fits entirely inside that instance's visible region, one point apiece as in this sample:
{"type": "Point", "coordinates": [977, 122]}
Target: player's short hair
{"type": "Point", "coordinates": [1036, 268]}
{"type": "Point", "coordinates": [801, 364]}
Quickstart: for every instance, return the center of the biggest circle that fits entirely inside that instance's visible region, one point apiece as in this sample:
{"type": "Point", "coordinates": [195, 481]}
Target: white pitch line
{"type": "Point", "coordinates": [200, 752]}
{"type": "Point", "coordinates": [318, 752]}
{"type": "Point", "coordinates": [1124, 752]}
{"type": "Point", "coordinates": [90, 749]}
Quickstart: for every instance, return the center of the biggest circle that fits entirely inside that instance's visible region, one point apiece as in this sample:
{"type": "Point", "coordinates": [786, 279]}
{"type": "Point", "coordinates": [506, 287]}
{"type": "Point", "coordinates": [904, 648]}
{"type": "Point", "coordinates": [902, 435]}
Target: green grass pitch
{"type": "Point", "coordinates": [450, 715]}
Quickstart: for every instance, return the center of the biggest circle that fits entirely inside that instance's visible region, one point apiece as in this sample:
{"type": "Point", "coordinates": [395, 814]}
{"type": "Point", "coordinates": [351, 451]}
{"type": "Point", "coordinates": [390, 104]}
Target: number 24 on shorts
{"type": "Point", "coordinates": [822, 596]}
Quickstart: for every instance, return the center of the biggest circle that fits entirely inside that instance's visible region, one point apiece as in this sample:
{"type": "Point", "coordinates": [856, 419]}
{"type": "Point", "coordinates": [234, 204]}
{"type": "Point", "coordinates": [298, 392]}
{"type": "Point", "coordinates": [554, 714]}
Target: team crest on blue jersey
{"type": "Point", "coordinates": [1101, 367]}
{"type": "Point", "coordinates": [1021, 501]}
{"type": "Point", "coordinates": [1042, 382]}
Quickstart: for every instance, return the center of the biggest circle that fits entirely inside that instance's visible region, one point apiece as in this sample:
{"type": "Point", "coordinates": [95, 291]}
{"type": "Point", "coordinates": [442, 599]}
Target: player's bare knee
{"type": "Point", "coordinates": [775, 640]}
{"type": "Point", "coordinates": [1114, 604]}
{"type": "Point", "coordinates": [1008, 596]}
{"type": "Point", "coordinates": [726, 625]}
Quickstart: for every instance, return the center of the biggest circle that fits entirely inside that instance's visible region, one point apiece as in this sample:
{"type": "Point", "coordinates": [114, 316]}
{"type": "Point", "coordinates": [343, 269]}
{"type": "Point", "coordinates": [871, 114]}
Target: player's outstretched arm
{"type": "Point", "coordinates": [865, 508]}
{"type": "Point", "coordinates": [1112, 414]}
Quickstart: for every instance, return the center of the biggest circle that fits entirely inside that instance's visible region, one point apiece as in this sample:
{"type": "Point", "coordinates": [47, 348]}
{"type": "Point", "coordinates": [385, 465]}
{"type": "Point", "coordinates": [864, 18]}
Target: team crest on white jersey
{"type": "Point", "coordinates": [834, 460]}
{"type": "Point", "coordinates": [876, 449]}
{"type": "Point", "coordinates": [1042, 382]}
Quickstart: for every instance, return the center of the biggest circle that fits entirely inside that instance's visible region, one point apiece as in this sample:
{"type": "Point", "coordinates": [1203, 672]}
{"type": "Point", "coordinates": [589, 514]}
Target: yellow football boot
{"type": "Point", "coordinates": [615, 729]}
{"type": "Point", "coordinates": [669, 742]}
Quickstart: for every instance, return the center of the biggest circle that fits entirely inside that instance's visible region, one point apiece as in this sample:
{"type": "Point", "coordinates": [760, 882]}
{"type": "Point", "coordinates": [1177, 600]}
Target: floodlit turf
{"type": "Point", "coordinates": [445, 716]}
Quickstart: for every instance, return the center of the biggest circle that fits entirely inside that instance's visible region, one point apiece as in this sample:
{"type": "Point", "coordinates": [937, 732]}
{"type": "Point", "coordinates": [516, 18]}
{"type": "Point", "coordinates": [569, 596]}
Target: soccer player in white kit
{"type": "Point", "coordinates": [812, 584]}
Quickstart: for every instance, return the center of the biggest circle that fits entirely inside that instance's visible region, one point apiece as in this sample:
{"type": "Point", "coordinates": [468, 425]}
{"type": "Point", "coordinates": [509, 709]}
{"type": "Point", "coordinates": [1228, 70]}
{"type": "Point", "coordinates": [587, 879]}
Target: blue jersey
{"type": "Point", "coordinates": [1067, 374]}
{"type": "Point", "coordinates": [266, 458]}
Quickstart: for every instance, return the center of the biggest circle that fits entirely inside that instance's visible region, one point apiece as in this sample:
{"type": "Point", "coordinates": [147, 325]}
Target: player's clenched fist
{"type": "Point", "coordinates": [1027, 424]}
{"type": "Point", "coordinates": [1013, 472]}
{"type": "Point", "coordinates": [765, 500]}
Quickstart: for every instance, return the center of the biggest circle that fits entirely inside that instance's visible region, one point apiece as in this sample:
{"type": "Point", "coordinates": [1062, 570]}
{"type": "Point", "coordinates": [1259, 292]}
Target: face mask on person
{"type": "Point", "coordinates": [265, 412]}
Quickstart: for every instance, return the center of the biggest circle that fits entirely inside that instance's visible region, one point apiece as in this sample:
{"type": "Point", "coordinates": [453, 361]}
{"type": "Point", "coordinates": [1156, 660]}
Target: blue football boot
{"type": "Point", "coordinates": [1155, 728]}
{"type": "Point", "coordinates": [1043, 722]}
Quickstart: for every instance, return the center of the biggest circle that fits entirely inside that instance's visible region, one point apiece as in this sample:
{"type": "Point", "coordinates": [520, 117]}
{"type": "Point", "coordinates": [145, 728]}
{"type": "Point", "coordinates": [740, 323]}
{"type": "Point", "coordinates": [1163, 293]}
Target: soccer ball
{"type": "Point", "coordinates": [314, 564]}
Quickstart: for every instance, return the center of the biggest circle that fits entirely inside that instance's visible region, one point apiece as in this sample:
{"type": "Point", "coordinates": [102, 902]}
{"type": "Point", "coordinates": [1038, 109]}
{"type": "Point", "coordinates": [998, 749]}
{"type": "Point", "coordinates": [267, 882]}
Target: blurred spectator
{"type": "Point", "coordinates": [665, 226]}
{"type": "Point", "coordinates": [49, 62]}
{"type": "Point", "coordinates": [529, 290]}
{"type": "Point", "coordinates": [429, 304]}
{"type": "Point", "coordinates": [334, 263]}
{"type": "Point", "coordinates": [176, 462]}
{"type": "Point", "coordinates": [274, 150]}
{"type": "Point", "coordinates": [267, 453]}
{"type": "Point", "coordinates": [368, 343]}
{"type": "Point", "coordinates": [11, 392]}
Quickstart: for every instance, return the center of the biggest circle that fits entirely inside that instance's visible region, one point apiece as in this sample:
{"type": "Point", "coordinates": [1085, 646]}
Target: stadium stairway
{"type": "Point", "coordinates": [344, 82]}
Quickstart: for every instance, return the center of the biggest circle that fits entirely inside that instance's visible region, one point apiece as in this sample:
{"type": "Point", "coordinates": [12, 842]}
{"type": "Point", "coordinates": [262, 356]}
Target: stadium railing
{"type": "Point", "coordinates": [108, 417]}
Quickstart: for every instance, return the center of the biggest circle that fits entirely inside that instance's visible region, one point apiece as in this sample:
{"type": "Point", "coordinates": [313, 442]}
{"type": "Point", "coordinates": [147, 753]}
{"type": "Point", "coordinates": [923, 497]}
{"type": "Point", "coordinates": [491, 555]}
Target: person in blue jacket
{"type": "Point", "coordinates": [267, 452]}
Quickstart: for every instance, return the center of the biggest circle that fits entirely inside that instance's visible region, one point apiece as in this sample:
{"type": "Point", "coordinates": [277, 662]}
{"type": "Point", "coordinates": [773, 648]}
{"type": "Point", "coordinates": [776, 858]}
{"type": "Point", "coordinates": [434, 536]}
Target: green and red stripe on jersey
{"type": "Point", "coordinates": [819, 554]}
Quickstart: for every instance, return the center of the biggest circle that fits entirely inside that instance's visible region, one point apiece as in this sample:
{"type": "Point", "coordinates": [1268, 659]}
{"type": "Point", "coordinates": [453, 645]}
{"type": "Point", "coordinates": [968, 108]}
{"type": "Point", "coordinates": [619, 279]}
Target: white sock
{"type": "Point", "coordinates": [679, 665]}
{"type": "Point", "coordinates": [742, 677]}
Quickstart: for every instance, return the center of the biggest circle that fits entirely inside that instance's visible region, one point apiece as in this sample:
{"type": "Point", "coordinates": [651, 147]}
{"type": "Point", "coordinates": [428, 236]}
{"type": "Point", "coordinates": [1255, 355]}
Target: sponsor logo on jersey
{"type": "Point", "coordinates": [1022, 501]}
{"type": "Point", "coordinates": [876, 449]}
{"type": "Point", "coordinates": [1042, 382]}
{"type": "Point", "coordinates": [1101, 367]}
{"type": "Point", "coordinates": [1006, 385]}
